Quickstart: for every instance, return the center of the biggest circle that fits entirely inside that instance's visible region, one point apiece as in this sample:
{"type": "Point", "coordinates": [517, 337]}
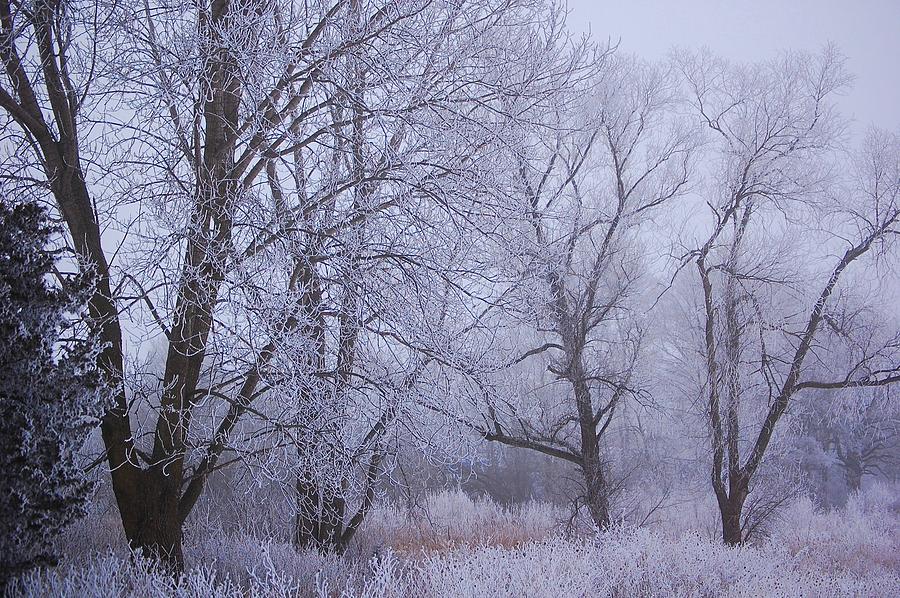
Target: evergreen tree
{"type": "Point", "coordinates": [50, 391]}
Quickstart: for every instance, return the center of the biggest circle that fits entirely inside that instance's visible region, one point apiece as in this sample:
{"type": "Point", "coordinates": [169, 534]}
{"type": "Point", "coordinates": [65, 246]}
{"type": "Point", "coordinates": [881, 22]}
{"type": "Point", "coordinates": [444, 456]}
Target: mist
{"type": "Point", "coordinates": [449, 298]}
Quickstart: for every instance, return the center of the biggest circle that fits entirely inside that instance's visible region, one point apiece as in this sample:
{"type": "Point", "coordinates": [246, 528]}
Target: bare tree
{"type": "Point", "coordinates": [856, 431]}
{"type": "Point", "coordinates": [380, 291]}
{"type": "Point", "coordinates": [588, 183]}
{"type": "Point", "coordinates": [769, 315]}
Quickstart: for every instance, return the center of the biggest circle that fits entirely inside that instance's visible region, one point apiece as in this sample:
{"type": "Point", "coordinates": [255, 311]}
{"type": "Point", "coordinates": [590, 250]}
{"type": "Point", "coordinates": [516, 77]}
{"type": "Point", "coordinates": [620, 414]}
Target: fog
{"type": "Point", "coordinates": [865, 31]}
{"type": "Point", "coordinates": [449, 298]}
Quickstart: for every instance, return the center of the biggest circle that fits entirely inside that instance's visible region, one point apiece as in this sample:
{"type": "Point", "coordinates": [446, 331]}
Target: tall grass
{"type": "Point", "coordinates": [452, 545]}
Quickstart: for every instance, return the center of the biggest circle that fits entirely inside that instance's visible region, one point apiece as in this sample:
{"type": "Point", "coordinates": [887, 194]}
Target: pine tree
{"type": "Point", "coordinates": [50, 391]}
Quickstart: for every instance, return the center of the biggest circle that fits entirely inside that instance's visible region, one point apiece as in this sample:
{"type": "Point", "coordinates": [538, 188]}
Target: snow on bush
{"type": "Point", "coordinates": [863, 537]}
{"type": "Point", "coordinates": [810, 553]}
{"type": "Point", "coordinates": [51, 392]}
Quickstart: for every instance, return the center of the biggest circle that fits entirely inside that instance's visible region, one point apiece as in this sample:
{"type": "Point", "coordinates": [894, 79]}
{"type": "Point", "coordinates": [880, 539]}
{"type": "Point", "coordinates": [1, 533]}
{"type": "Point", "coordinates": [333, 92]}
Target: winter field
{"type": "Point", "coordinates": [455, 546]}
{"type": "Point", "coordinates": [464, 298]}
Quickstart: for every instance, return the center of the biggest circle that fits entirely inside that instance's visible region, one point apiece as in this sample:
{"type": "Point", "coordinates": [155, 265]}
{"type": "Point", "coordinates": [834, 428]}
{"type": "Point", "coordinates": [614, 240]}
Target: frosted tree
{"type": "Point", "coordinates": [285, 193]}
{"type": "Point", "coordinates": [392, 294]}
{"type": "Point", "coordinates": [848, 434]}
{"type": "Point", "coordinates": [603, 162]}
{"type": "Point", "coordinates": [777, 294]}
{"type": "Point", "coordinates": [50, 392]}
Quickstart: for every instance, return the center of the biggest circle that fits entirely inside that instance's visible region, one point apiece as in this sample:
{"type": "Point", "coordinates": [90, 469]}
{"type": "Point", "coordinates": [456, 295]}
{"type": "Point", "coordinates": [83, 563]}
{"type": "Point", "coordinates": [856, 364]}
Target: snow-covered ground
{"type": "Point", "coordinates": [455, 546]}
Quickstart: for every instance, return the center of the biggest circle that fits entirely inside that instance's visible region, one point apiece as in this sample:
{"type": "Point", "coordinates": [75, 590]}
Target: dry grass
{"type": "Point", "coordinates": [450, 520]}
{"type": "Point", "coordinates": [452, 545]}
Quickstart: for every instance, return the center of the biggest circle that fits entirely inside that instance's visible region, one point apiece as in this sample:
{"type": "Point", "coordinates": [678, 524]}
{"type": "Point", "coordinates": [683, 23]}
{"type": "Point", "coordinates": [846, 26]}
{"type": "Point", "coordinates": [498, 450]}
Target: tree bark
{"type": "Point", "coordinates": [158, 534]}
{"type": "Point", "coordinates": [597, 495]}
{"type": "Point", "coordinates": [853, 471]}
{"type": "Point", "coordinates": [596, 486]}
{"type": "Point", "coordinates": [730, 510]}
{"type": "Point", "coordinates": [320, 516]}
{"type": "Point", "coordinates": [731, 506]}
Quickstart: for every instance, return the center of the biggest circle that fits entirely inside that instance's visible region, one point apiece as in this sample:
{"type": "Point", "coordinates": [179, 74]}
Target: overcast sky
{"type": "Point", "coordinates": [866, 31]}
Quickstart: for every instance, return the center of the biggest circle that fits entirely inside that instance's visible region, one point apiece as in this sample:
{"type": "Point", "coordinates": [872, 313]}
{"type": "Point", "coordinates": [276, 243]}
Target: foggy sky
{"type": "Point", "coordinates": [866, 31]}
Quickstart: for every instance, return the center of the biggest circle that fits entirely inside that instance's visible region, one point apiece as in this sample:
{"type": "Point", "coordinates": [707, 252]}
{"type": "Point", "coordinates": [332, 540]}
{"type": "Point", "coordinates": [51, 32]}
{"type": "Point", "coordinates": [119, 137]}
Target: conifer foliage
{"type": "Point", "coordinates": [50, 393]}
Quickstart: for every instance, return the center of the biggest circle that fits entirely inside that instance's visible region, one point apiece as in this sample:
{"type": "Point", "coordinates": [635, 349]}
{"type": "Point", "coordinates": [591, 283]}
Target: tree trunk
{"type": "Point", "coordinates": [147, 499]}
{"type": "Point", "coordinates": [151, 519]}
{"type": "Point", "coordinates": [596, 486]}
{"type": "Point", "coordinates": [730, 509]}
{"type": "Point", "coordinates": [597, 493]}
{"type": "Point", "coordinates": [853, 472]}
{"type": "Point", "coordinates": [159, 536]}
{"type": "Point", "coordinates": [320, 516]}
